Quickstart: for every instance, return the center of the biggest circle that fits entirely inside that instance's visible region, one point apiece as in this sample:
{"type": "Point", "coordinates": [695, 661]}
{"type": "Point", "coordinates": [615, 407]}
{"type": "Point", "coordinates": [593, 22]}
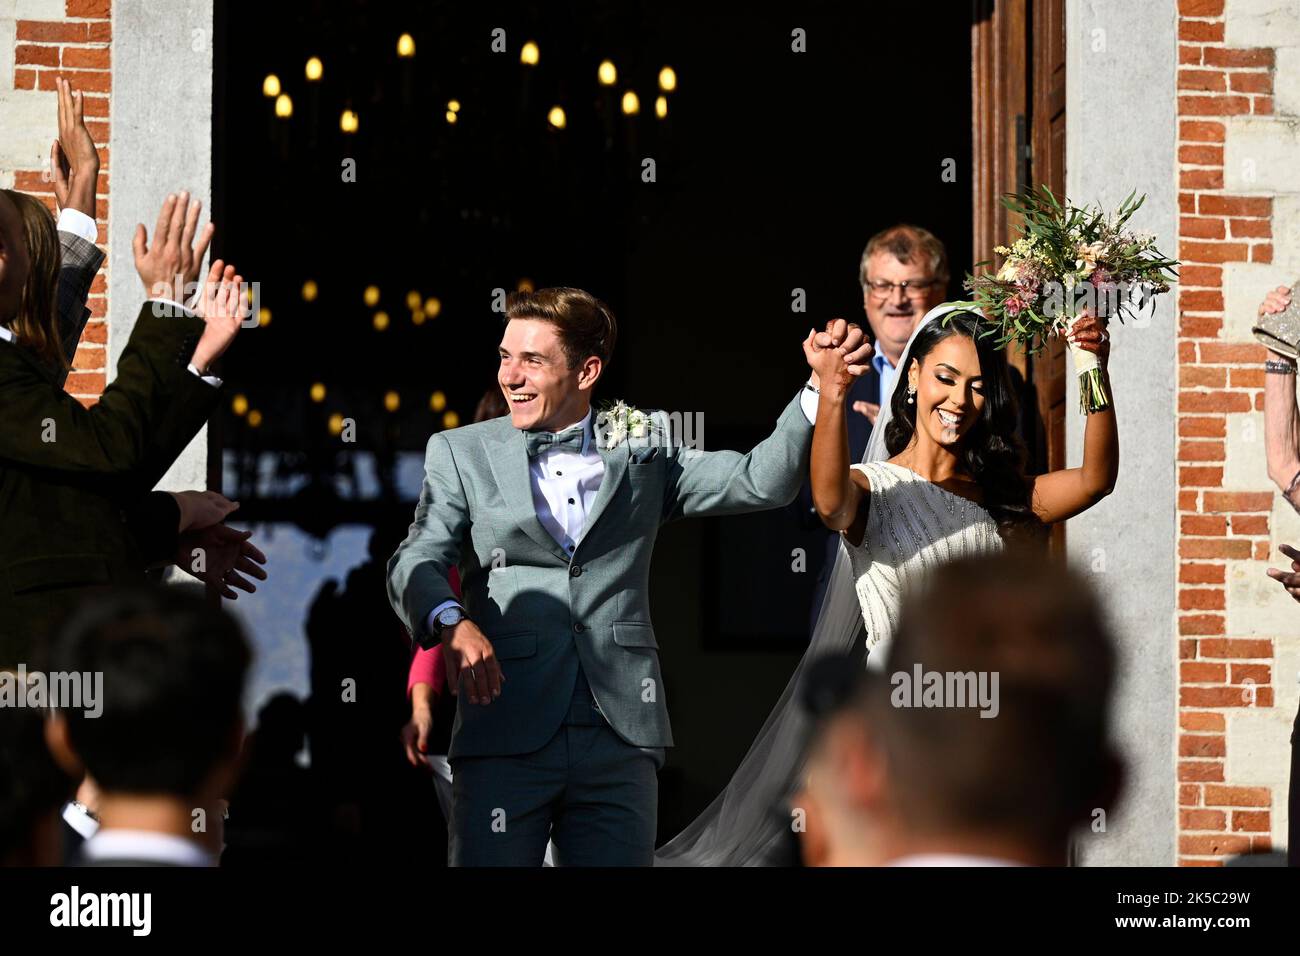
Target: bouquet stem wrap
{"type": "Point", "coordinates": [1092, 385]}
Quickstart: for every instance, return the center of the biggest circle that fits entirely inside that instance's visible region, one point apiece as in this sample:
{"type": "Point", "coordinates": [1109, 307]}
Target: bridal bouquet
{"type": "Point", "coordinates": [1066, 260]}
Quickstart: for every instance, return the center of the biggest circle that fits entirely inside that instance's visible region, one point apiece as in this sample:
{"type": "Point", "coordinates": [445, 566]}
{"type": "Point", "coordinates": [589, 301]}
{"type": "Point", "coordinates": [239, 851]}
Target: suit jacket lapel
{"type": "Point", "coordinates": [615, 468]}
{"type": "Point", "coordinates": [509, 461]}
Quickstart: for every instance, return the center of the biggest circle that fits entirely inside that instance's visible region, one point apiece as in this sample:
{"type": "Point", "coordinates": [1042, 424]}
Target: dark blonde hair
{"type": "Point", "coordinates": [585, 324]}
{"type": "Point", "coordinates": [904, 241]}
{"type": "Point", "coordinates": [37, 323]}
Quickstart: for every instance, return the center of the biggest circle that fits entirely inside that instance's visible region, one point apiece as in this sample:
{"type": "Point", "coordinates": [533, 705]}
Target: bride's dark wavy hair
{"type": "Point", "coordinates": [991, 452]}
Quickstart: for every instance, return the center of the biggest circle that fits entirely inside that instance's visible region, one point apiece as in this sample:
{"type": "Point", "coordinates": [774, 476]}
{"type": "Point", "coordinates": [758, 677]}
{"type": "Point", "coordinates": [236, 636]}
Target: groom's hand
{"type": "Point", "coordinates": [468, 654]}
{"type": "Point", "coordinates": [849, 338]}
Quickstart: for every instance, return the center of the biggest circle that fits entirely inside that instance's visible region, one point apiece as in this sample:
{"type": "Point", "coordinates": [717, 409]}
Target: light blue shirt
{"type": "Point", "coordinates": [886, 372]}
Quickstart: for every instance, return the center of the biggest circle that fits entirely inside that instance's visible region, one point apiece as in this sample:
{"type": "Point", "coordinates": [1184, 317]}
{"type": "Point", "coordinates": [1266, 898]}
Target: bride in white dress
{"type": "Point", "coordinates": [943, 477]}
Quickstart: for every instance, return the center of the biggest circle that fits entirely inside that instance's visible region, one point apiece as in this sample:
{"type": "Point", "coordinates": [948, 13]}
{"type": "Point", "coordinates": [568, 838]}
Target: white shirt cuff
{"type": "Point", "coordinates": [78, 223]}
{"type": "Point", "coordinates": [808, 402]}
{"type": "Point", "coordinates": [210, 379]}
{"type": "Point", "coordinates": [165, 306]}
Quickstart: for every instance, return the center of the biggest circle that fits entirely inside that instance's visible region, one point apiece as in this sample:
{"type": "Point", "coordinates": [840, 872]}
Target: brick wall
{"type": "Point", "coordinates": [1237, 667]}
{"type": "Point", "coordinates": [39, 41]}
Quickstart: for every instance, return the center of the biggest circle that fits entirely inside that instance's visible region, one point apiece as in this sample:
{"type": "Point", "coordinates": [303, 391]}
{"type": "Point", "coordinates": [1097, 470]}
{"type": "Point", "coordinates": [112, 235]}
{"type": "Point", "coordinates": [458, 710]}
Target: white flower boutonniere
{"type": "Point", "coordinates": [620, 421]}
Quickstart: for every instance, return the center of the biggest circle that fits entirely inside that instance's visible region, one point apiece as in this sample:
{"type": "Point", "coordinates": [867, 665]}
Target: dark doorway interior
{"type": "Point", "coordinates": [772, 168]}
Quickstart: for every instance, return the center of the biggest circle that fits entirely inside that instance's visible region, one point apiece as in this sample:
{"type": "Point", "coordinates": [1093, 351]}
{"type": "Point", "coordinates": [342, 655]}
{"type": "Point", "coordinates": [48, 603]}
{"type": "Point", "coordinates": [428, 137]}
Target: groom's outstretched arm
{"type": "Point", "coordinates": [731, 482]}
{"type": "Point", "coordinates": [417, 571]}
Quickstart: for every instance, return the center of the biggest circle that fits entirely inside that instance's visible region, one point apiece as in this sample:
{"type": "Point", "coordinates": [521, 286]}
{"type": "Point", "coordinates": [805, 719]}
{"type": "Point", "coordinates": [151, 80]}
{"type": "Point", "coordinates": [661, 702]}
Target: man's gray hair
{"type": "Point", "coordinates": [904, 241]}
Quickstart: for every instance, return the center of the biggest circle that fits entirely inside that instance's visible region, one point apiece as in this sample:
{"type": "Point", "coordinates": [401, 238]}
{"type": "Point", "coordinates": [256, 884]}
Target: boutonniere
{"type": "Point", "coordinates": [618, 422]}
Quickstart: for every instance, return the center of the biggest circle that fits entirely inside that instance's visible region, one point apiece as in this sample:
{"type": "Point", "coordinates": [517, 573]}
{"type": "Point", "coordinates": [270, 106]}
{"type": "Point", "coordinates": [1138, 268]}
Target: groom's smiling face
{"type": "Point", "coordinates": [542, 391]}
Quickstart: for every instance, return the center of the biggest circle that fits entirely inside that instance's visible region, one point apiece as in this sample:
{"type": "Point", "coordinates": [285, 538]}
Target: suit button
{"type": "Point", "coordinates": [575, 570]}
{"type": "Point", "coordinates": [578, 627]}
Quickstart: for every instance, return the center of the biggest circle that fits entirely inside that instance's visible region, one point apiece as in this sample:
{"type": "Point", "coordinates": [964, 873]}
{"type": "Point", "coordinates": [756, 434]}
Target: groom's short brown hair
{"type": "Point", "coordinates": [585, 324]}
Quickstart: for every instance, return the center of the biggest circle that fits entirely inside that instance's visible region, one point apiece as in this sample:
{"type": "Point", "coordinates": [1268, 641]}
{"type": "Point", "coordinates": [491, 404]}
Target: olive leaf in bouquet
{"type": "Point", "coordinates": [1068, 259]}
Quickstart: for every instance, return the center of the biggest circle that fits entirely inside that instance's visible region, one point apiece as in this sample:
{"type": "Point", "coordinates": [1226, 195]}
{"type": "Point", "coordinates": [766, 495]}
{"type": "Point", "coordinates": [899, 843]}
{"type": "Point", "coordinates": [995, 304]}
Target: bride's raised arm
{"type": "Point", "coordinates": [1063, 494]}
{"type": "Point", "coordinates": [836, 356]}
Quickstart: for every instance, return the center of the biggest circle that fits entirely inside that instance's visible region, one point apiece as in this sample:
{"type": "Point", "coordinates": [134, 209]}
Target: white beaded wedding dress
{"type": "Point", "coordinates": [913, 525]}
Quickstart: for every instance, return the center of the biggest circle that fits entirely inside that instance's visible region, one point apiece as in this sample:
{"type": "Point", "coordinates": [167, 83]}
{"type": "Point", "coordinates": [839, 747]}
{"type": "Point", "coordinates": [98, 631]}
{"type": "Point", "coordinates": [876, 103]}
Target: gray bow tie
{"type": "Point", "coordinates": [538, 442]}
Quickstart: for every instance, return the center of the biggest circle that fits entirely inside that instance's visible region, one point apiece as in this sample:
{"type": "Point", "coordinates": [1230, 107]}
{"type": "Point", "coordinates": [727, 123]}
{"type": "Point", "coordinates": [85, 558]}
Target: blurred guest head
{"type": "Point", "coordinates": [167, 740]}
{"type": "Point", "coordinates": [32, 790]}
{"type": "Point", "coordinates": [30, 257]}
{"type": "Point", "coordinates": [904, 274]}
{"type": "Point", "coordinates": [985, 738]}
{"type": "Point", "coordinates": [556, 344]}
{"type": "Point", "coordinates": [491, 405]}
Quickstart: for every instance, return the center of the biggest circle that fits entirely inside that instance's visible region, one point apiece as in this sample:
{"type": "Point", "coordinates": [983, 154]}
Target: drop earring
{"type": "Point", "coordinates": [911, 395]}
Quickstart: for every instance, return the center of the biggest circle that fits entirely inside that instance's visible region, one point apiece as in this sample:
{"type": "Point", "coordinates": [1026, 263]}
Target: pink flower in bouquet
{"type": "Point", "coordinates": [1100, 276]}
{"type": "Point", "coordinates": [1028, 286]}
{"type": "Point", "coordinates": [1014, 305]}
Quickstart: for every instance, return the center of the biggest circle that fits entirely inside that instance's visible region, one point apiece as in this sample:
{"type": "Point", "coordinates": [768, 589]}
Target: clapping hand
{"type": "Point", "coordinates": [225, 553]}
{"type": "Point", "coordinates": [74, 161]}
{"type": "Point", "coordinates": [222, 306]}
{"type": "Point", "coordinates": [202, 509]}
{"type": "Point", "coordinates": [174, 253]}
{"type": "Point", "coordinates": [1290, 579]}
{"type": "Point", "coordinates": [837, 355]}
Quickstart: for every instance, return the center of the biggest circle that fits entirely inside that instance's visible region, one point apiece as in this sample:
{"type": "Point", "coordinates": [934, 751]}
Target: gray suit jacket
{"type": "Point", "coordinates": [545, 612]}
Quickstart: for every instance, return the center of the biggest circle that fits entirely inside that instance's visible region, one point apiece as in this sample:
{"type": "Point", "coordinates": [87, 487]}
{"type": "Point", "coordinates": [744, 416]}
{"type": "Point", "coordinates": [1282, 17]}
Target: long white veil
{"type": "Point", "coordinates": [746, 824]}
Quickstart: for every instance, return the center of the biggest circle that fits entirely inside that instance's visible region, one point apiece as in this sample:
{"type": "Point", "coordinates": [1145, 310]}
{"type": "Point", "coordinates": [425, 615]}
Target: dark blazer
{"type": "Point", "coordinates": [153, 518]}
{"type": "Point", "coordinates": [70, 474]}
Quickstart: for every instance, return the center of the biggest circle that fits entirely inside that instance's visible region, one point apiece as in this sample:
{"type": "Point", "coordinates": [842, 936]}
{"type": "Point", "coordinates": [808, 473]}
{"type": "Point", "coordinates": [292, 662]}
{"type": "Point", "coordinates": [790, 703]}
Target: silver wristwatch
{"type": "Point", "coordinates": [447, 618]}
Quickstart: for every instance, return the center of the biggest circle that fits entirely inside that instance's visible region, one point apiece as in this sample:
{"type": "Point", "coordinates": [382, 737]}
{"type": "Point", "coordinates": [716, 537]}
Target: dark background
{"type": "Point", "coordinates": [773, 169]}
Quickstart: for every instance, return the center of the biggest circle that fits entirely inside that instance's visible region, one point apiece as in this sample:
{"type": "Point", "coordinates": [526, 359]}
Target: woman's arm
{"type": "Point", "coordinates": [1063, 494]}
{"type": "Point", "coordinates": [836, 495]}
{"type": "Point", "coordinates": [1281, 417]}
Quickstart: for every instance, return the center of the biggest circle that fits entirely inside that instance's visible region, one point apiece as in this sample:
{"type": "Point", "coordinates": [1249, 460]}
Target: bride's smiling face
{"type": "Point", "coordinates": [949, 390]}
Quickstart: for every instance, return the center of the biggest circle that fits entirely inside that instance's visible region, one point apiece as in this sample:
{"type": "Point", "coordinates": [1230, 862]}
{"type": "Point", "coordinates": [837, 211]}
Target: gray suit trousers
{"type": "Point", "coordinates": [592, 793]}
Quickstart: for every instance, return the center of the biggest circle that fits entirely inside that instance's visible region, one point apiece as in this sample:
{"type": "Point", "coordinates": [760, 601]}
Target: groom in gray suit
{"type": "Point", "coordinates": [561, 721]}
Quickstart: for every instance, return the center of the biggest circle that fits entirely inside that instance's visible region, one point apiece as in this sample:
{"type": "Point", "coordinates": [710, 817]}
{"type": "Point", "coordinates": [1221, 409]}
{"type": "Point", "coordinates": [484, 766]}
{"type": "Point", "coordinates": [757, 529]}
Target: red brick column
{"type": "Point", "coordinates": [1216, 378]}
{"type": "Point", "coordinates": [78, 47]}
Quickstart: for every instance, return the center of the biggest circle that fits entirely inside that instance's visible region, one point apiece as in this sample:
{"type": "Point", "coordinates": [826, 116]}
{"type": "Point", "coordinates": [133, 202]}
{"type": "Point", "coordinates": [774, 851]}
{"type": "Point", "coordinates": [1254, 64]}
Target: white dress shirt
{"type": "Point", "coordinates": [145, 845]}
{"type": "Point", "coordinates": [565, 483]}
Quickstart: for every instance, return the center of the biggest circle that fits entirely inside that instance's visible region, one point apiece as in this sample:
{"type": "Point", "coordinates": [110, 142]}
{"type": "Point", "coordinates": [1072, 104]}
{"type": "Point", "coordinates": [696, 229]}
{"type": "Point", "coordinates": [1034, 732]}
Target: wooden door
{"type": "Point", "coordinates": [1018, 111]}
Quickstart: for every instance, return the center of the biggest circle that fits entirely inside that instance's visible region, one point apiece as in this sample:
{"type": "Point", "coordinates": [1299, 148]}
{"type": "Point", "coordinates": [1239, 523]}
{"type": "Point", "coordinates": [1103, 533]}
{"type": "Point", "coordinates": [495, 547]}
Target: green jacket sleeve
{"type": "Point", "coordinates": [46, 428]}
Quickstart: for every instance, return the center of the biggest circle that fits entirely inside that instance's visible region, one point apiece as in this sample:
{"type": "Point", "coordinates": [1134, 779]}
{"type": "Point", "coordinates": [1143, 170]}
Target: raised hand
{"type": "Point", "coordinates": [221, 305]}
{"type": "Point", "coordinates": [1289, 580]}
{"type": "Point", "coordinates": [174, 253]}
{"type": "Point", "coordinates": [74, 161]}
{"type": "Point", "coordinates": [226, 553]}
{"type": "Point", "coordinates": [1091, 335]}
{"type": "Point", "coordinates": [1277, 300]}
{"type": "Point", "coordinates": [838, 354]}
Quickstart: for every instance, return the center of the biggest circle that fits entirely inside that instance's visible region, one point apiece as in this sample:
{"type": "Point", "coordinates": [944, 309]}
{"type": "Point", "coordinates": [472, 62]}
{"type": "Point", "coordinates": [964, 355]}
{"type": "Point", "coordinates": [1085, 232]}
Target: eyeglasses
{"type": "Point", "coordinates": [912, 288]}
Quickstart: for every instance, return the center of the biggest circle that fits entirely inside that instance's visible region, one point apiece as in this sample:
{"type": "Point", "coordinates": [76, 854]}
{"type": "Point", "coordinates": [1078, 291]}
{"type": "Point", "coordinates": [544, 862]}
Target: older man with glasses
{"type": "Point", "coordinates": [904, 274]}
